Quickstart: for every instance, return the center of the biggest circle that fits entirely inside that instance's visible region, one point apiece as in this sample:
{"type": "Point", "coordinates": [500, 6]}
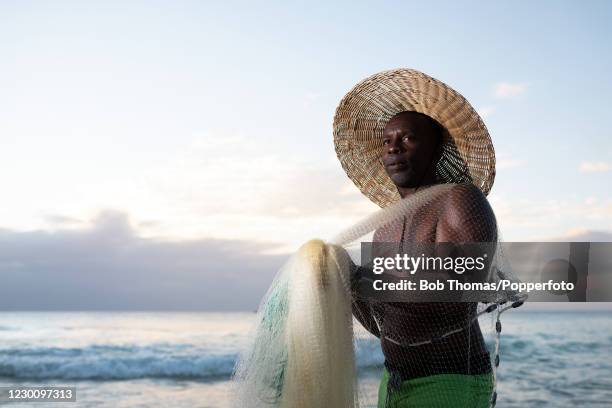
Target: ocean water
{"type": "Point", "coordinates": [176, 359]}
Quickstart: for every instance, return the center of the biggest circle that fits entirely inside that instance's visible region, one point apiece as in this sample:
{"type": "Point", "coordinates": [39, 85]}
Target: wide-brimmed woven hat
{"type": "Point", "coordinates": [467, 152]}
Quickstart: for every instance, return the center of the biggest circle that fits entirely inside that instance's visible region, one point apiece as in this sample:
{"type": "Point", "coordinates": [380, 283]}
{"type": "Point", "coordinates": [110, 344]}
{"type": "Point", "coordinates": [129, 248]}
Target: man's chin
{"type": "Point", "coordinates": [403, 180]}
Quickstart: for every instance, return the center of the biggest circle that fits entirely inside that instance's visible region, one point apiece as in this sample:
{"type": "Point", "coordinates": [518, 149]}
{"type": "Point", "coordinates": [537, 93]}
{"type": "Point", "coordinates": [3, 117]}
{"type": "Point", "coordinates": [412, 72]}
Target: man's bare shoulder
{"type": "Point", "coordinates": [466, 211]}
{"type": "Point", "coordinates": [465, 195]}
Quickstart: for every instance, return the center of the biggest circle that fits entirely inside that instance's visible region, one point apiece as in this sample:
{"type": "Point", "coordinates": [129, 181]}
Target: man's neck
{"type": "Point", "coordinates": [408, 191]}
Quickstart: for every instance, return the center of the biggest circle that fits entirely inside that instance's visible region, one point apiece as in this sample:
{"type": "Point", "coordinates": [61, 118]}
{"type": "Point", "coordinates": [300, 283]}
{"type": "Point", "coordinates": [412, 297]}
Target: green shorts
{"type": "Point", "coordinates": [442, 390]}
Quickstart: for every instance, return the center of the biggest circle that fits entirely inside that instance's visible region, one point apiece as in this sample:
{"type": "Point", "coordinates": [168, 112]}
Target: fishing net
{"type": "Point", "coordinates": [325, 338]}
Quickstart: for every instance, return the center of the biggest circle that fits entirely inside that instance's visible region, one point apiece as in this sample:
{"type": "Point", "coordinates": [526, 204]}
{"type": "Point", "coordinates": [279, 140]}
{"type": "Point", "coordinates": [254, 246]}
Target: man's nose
{"type": "Point", "coordinates": [393, 148]}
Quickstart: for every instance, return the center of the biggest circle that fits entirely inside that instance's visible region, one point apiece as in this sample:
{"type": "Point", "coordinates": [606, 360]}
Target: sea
{"type": "Point", "coordinates": [185, 359]}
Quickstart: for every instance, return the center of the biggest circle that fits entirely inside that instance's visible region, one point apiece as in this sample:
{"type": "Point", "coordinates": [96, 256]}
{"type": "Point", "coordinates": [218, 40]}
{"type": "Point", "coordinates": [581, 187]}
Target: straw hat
{"type": "Point", "coordinates": [467, 154]}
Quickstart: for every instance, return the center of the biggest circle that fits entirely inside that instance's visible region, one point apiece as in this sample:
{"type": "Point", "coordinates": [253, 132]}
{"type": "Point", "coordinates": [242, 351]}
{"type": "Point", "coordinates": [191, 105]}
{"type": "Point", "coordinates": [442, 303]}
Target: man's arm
{"type": "Point", "coordinates": [362, 306]}
{"type": "Point", "coordinates": [467, 218]}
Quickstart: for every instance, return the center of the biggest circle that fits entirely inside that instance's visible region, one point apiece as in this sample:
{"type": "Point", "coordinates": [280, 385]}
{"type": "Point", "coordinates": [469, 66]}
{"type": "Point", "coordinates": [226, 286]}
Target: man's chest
{"type": "Point", "coordinates": [418, 227]}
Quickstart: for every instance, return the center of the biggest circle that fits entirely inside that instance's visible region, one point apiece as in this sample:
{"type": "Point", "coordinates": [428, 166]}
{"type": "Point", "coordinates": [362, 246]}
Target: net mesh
{"type": "Point", "coordinates": [321, 341]}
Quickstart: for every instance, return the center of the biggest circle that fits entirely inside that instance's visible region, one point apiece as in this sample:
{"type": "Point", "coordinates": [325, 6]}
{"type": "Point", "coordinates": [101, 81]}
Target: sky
{"type": "Point", "coordinates": [180, 128]}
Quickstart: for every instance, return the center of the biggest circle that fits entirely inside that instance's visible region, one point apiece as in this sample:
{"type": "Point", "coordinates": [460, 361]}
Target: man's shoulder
{"type": "Point", "coordinates": [466, 192]}
{"type": "Point", "coordinates": [467, 215]}
{"type": "Point", "coordinates": [464, 195]}
{"type": "Point", "coordinates": [465, 200]}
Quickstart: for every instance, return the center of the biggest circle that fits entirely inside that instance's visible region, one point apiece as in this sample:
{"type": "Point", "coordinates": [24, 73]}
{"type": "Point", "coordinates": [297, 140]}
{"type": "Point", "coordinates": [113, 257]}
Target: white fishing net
{"type": "Point", "coordinates": [307, 350]}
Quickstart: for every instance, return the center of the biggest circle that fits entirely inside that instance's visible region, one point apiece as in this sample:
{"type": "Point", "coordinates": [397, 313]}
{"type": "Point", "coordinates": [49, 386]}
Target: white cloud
{"type": "Point", "coordinates": [521, 219]}
{"type": "Point", "coordinates": [594, 167]}
{"type": "Point", "coordinates": [217, 185]}
{"type": "Point", "coordinates": [228, 187]}
{"type": "Point", "coordinates": [583, 235]}
{"type": "Point", "coordinates": [506, 90]}
{"type": "Point", "coordinates": [62, 220]}
{"type": "Point", "coordinates": [486, 111]}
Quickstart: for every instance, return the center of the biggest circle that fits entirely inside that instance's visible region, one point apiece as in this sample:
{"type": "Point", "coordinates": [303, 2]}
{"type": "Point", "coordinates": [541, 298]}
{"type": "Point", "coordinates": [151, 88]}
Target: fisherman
{"type": "Point", "coordinates": [398, 133]}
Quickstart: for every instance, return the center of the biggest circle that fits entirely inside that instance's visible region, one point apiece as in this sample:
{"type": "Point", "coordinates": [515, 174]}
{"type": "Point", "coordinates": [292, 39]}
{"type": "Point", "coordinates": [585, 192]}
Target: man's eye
{"type": "Point", "coordinates": [408, 138]}
{"type": "Point", "coordinates": [385, 142]}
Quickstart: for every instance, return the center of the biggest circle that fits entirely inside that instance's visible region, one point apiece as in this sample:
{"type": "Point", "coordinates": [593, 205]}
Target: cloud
{"type": "Point", "coordinates": [226, 185]}
{"type": "Point", "coordinates": [522, 219]}
{"type": "Point", "coordinates": [582, 235]}
{"type": "Point", "coordinates": [507, 90]}
{"type": "Point", "coordinates": [107, 266]}
{"type": "Point", "coordinates": [257, 194]}
{"type": "Point", "coordinates": [486, 111]}
{"type": "Point", "coordinates": [594, 167]}
{"type": "Point", "coordinates": [61, 220]}
{"type": "Point", "coordinates": [260, 181]}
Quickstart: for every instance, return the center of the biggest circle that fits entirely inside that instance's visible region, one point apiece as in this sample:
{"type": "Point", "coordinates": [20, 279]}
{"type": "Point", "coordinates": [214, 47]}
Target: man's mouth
{"type": "Point", "coordinates": [397, 165]}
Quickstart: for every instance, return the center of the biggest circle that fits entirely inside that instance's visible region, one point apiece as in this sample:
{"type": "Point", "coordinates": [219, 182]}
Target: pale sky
{"type": "Point", "coordinates": [212, 120]}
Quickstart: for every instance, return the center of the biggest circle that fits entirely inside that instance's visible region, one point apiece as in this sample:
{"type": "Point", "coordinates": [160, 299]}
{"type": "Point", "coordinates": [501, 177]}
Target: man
{"type": "Point", "coordinates": [396, 134]}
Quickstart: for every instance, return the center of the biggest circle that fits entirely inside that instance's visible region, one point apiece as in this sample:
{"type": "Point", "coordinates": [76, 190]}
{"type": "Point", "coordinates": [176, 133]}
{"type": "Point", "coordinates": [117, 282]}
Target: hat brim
{"type": "Point", "coordinates": [361, 116]}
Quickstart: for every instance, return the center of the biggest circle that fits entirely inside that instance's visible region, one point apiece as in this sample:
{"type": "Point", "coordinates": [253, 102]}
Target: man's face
{"type": "Point", "coordinates": [409, 146]}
